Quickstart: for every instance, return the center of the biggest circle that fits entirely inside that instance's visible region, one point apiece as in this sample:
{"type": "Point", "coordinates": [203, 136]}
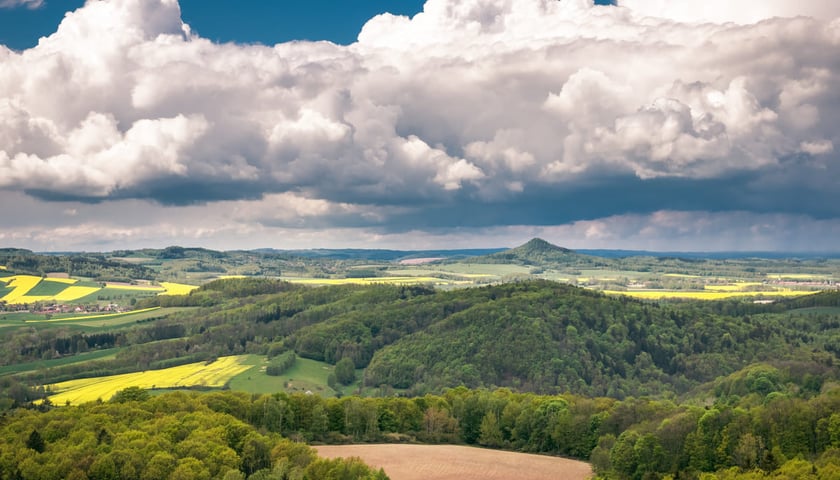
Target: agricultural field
{"type": "Point", "coordinates": [450, 462]}
{"type": "Point", "coordinates": [373, 280]}
{"type": "Point", "coordinates": [58, 362]}
{"type": "Point", "coordinates": [201, 374]}
{"type": "Point", "coordinates": [704, 295]}
{"type": "Point", "coordinates": [21, 289]}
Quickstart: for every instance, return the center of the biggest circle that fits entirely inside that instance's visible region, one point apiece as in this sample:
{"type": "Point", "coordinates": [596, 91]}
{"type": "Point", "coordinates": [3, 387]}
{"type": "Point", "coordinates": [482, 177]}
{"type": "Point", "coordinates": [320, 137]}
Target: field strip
{"type": "Point", "coordinates": [705, 295]}
{"type": "Point", "coordinates": [798, 276]}
{"type": "Point", "coordinates": [94, 317]}
{"type": "Point", "coordinates": [34, 298]}
{"type": "Point", "coordinates": [733, 287]}
{"type": "Point", "coordinates": [452, 462]}
{"type": "Point", "coordinates": [84, 390]}
{"type": "Point", "coordinates": [176, 288]}
{"type": "Point", "coordinates": [68, 281]}
{"type": "Point", "coordinates": [139, 288]}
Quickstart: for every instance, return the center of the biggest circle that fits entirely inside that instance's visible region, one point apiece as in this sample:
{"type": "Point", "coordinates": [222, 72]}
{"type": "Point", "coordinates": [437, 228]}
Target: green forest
{"type": "Point", "coordinates": [643, 390]}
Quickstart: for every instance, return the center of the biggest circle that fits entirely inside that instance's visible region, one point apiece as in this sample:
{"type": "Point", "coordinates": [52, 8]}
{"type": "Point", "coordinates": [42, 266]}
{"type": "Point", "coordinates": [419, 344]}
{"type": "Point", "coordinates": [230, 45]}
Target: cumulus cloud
{"type": "Point", "coordinates": [30, 4]}
{"type": "Point", "coordinates": [479, 112]}
{"type": "Point", "coordinates": [721, 11]}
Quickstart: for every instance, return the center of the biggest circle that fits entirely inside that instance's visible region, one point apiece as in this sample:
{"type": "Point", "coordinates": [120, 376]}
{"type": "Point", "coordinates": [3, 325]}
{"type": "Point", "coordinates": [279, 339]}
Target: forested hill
{"type": "Point", "coordinates": [538, 252]}
{"type": "Point", "coordinates": [79, 265]}
{"type": "Point", "coordinates": [537, 336]}
{"type": "Point", "coordinates": [545, 337]}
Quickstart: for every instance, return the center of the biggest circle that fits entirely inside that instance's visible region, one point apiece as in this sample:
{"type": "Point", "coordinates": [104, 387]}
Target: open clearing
{"type": "Point", "coordinates": [305, 375]}
{"type": "Point", "coordinates": [449, 462]}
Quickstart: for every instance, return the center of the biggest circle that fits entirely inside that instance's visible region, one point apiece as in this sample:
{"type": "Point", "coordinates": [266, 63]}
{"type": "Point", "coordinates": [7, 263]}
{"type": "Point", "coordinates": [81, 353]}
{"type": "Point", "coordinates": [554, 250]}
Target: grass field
{"type": "Point", "coordinates": [704, 295]}
{"type": "Point", "coordinates": [47, 287]}
{"type": "Point", "coordinates": [431, 272]}
{"type": "Point", "coordinates": [799, 276]}
{"type": "Point", "coordinates": [485, 268]}
{"type": "Point", "coordinates": [200, 374]}
{"type": "Point", "coordinates": [57, 362]}
{"type": "Point", "coordinates": [451, 462]}
{"type": "Point", "coordinates": [733, 287]}
{"type": "Point", "coordinates": [97, 321]}
{"type": "Point", "coordinates": [106, 319]}
{"type": "Point", "coordinates": [305, 375]}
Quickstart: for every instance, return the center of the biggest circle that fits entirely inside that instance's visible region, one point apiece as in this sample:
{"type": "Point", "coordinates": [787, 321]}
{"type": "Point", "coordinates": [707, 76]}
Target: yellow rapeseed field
{"type": "Point", "coordinates": [705, 295]}
{"type": "Point", "coordinates": [23, 284]}
{"type": "Point", "coordinates": [74, 293]}
{"type": "Point", "coordinates": [177, 288]}
{"type": "Point", "coordinates": [201, 374]}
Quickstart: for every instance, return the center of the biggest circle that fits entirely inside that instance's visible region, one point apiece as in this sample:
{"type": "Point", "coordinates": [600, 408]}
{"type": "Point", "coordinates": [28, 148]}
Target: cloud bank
{"type": "Point", "coordinates": [474, 114]}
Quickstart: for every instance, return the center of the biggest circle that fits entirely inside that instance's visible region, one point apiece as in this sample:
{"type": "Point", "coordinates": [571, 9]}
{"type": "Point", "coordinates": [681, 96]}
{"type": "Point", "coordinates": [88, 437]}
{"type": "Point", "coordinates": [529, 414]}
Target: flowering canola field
{"type": "Point", "coordinates": [199, 374]}
{"type": "Point", "coordinates": [22, 285]}
{"type": "Point", "coordinates": [704, 295]}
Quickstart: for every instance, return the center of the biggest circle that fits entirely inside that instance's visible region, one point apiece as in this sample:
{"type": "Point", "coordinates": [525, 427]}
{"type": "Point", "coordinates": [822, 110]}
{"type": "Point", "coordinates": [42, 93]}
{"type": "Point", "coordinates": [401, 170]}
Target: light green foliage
{"type": "Point", "coordinates": [175, 436]}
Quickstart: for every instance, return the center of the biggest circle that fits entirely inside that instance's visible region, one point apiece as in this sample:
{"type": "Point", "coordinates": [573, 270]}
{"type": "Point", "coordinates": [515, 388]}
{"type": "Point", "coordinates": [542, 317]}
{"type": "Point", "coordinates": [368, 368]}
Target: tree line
{"type": "Point", "coordinates": [234, 434]}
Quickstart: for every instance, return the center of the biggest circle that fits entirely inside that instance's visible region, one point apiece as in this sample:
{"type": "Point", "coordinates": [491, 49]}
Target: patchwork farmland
{"type": "Point", "coordinates": [23, 289]}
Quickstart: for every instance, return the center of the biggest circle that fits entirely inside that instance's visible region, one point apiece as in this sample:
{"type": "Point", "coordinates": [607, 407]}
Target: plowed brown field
{"type": "Point", "coordinates": [447, 462]}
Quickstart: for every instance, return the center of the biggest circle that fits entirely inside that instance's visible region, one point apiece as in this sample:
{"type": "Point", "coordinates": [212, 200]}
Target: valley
{"type": "Point", "coordinates": [700, 365]}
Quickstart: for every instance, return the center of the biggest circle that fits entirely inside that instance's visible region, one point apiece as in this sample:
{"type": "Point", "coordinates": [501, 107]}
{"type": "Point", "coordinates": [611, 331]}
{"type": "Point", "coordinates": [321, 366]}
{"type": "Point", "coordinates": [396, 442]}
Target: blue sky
{"type": "Point", "coordinates": [245, 21]}
{"type": "Point", "coordinates": [651, 125]}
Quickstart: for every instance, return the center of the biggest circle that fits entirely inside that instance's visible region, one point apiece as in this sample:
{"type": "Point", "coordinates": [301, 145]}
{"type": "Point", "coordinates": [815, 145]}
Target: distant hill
{"type": "Point", "coordinates": [538, 252]}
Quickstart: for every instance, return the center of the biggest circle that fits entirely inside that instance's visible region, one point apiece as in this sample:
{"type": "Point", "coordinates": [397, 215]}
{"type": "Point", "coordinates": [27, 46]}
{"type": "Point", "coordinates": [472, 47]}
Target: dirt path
{"type": "Point", "coordinates": [447, 462]}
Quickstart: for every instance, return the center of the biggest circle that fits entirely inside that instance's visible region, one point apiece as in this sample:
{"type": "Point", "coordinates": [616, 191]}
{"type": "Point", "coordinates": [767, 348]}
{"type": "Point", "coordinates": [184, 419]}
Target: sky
{"type": "Point", "coordinates": [669, 125]}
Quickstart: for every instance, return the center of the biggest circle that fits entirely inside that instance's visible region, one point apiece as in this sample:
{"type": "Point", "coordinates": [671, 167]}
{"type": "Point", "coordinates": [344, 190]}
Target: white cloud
{"type": "Point", "coordinates": [472, 102]}
{"type": "Point", "coordinates": [819, 147]}
{"type": "Point", "coordinates": [742, 11]}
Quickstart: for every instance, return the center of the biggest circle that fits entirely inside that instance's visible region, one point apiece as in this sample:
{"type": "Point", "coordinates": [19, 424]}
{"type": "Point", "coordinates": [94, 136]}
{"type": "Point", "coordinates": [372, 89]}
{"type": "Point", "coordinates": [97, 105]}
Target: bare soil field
{"type": "Point", "coordinates": [448, 462]}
